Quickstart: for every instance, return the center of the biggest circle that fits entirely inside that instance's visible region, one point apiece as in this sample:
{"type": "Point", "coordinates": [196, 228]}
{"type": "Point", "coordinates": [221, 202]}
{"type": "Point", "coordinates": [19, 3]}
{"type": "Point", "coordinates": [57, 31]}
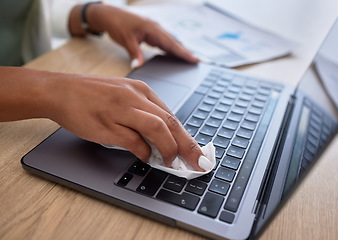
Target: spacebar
{"type": "Point", "coordinates": [189, 106]}
{"type": "Point", "coordinates": [243, 176]}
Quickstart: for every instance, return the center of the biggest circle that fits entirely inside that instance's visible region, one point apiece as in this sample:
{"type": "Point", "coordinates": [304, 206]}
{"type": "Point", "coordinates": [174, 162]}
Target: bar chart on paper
{"type": "Point", "coordinates": [217, 37]}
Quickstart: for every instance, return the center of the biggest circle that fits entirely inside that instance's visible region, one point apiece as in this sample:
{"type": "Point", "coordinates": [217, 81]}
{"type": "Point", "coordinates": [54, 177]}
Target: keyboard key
{"type": "Point", "coordinates": [219, 152]}
{"type": "Point", "coordinates": [219, 88]}
{"type": "Point", "coordinates": [308, 155]}
{"type": "Point", "coordinates": [221, 142]}
{"type": "Point", "coordinates": [216, 165]}
{"type": "Point", "coordinates": [185, 200]}
{"type": "Point", "coordinates": [226, 133]}
{"type": "Point", "coordinates": [234, 89]}
{"type": "Point", "coordinates": [235, 152]}
{"type": "Point", "coordinates": [152, 182]}
{"type": "Point", "coordinates": [305, 163]}
{"type": "Point", "coordinates": [223, 107]}
{"type": "Point", "coordinates": [240, 142]}
{"type": "Point", "coordinates": [218, 115]}
{"type": "Point", "coordinates": [264, 92]}
{"type": "Point", "coordinates": [203, 139]}
{"type": "Point", "coordinates": [225, 174]}
{"type": "Point", "coordinates": [191, 130]}
{"type": "Point", "coordinates": [230, 162]}
{"type": "Point", "coordinates": [142, 171]}
{"type": "Point", "coordinates": [230, 124]}
{"type": "Point", "coordinates": [213, 122]}
{"type": "Point", "coordinates": [249, 91]}
{"type": "Point", "coordinates": [242, 103]}
{"type": "Point", "coordinates": [223, 83]}
{"type": "Point", "coordinates": [196, 187]}
{"type": "Point", "coordinates": [175, 183]}
{"type": "Point", "coordinates": [313, 139]}
{"type": "Point", "coordinates": [135, 166]}
{"type": "Point", "coordinates": [252, 117]}
{"type": "Point", "coordinates": [195, 122]}
{"type": "Point", "coordinates": [255, 110]}
{"type": "Point", "coordinates": [206, 107]}
{"type": "Point", "coordinates": [313, 131]}
{"type": "Point", "coordinates": [311, 147]}
{"type": "Point", "coordinates": [245, 97]}
{"type": "Point", "coordinates": [239, 110]}
{"type": "Point", "coordinates": [214, 94]}
{"type": "Point", "coordinates": [316, 115]}
{"type": "Point", "coordinates": [259, 104]}
{"type": "Point", "coordinates": [231, 95]}
{"type": "Point", "coordinates": [227, 101]}
{"type": "Point", "coordinates": [210, 100]}
{"type": "Point", "coordinates": [219, 187]}
{"type": "Point", "coordinates": [315, 125]}
{"type": "Point", "coordinates": [235, 117]}
{"type": "Point", "coordinates": [139, 168]}
{"type": "Point", "coordinates": [125, 179]}
{"type": "Point", "coordinates": [227, 217]}
{"type": "Point", "coordinates": [261, 97]}
{"type": "Point", "coordinates": [208, 130]}
{"type": "Point", "coordinates": [201, 114]}
{"type": "Point", "coordinates": [244, 133]}
{"type": "Point", "coordinates": [248, 125]}
{"type": "Point", "coordinates": [210, 205]}
{"type": "Point", "coordinates": [266, 86]}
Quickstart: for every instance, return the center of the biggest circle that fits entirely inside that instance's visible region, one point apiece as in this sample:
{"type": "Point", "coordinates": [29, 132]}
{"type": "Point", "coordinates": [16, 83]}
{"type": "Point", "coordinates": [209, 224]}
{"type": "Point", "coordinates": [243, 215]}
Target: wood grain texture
{"type": "Point", "coordinates": [33, 208]}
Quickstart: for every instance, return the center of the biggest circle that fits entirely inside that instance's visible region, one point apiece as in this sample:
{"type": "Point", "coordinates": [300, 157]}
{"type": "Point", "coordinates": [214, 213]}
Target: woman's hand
{"type": "Point", "coordinates": [105, 110]}
{"type": "Point", "coordinates": [129, 30]}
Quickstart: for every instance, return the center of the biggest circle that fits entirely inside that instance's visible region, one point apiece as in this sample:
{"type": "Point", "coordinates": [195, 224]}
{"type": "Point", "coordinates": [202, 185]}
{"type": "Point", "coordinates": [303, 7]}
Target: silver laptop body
{"type": "Point", "coordinates": [259, 161]}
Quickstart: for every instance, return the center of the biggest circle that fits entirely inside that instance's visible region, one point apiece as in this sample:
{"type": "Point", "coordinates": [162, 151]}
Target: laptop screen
{"type": "Point", "coordinates": [321, 78]}
{"type": "Point", "coordinates": [320, 82]}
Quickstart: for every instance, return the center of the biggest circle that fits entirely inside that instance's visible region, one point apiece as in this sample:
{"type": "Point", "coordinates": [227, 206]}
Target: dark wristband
{"type": "Point", "coordinates": [85, 24]}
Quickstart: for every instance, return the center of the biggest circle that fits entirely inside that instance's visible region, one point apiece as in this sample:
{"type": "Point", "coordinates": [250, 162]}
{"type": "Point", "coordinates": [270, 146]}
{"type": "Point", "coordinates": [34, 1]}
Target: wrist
{"type": "Point", "coordinates": [85, 19]}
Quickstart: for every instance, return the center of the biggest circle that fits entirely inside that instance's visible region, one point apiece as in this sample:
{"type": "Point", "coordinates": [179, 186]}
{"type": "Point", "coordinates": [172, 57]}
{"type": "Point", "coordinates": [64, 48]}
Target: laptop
{"type": "Point", "coordinates": [267, 136]}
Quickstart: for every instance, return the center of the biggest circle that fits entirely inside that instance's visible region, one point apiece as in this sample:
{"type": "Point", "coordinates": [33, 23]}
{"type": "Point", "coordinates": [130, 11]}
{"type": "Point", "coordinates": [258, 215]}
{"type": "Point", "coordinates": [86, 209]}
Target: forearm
{"type": "Point", "coordinates": [23, 94]}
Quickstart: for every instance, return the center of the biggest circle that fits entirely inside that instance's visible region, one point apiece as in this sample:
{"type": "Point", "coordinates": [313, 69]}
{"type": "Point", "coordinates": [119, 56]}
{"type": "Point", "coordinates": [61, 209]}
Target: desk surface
{"type": "Point", "coordinates": [33, 208]}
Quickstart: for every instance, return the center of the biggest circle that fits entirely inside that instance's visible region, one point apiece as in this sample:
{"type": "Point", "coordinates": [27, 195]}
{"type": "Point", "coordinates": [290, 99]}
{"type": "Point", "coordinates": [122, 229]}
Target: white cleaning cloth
{"type": "Point", "coordinates": [180, 167]}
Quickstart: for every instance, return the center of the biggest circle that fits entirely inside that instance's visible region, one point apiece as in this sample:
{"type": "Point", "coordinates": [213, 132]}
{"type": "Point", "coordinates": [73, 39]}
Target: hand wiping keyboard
{"type": "Point", "coordinates": [180, 167]}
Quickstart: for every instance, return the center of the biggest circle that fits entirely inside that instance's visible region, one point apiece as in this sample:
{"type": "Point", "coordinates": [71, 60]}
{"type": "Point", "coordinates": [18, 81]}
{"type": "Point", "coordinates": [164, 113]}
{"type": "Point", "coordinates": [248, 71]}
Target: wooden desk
{"type": "Point", "coordinates": [33, 208]}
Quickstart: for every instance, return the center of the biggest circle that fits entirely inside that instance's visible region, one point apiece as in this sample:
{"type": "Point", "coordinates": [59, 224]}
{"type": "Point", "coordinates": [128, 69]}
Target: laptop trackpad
{"type": "Point", "coordinates": [170, 93]}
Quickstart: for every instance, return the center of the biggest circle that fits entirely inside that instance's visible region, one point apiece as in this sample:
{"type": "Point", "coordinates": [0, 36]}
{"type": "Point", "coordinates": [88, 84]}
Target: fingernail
{"type": "Point", "coordinates": [204, 163]}
{"type": "Point", "coordinates": [134, 63]}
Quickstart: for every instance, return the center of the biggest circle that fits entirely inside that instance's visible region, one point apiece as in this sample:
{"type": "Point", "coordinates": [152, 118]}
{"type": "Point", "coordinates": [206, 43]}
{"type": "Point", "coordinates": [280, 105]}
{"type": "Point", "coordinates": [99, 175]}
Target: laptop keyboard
{"type": "Point", "coordinates": [233, 112]}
